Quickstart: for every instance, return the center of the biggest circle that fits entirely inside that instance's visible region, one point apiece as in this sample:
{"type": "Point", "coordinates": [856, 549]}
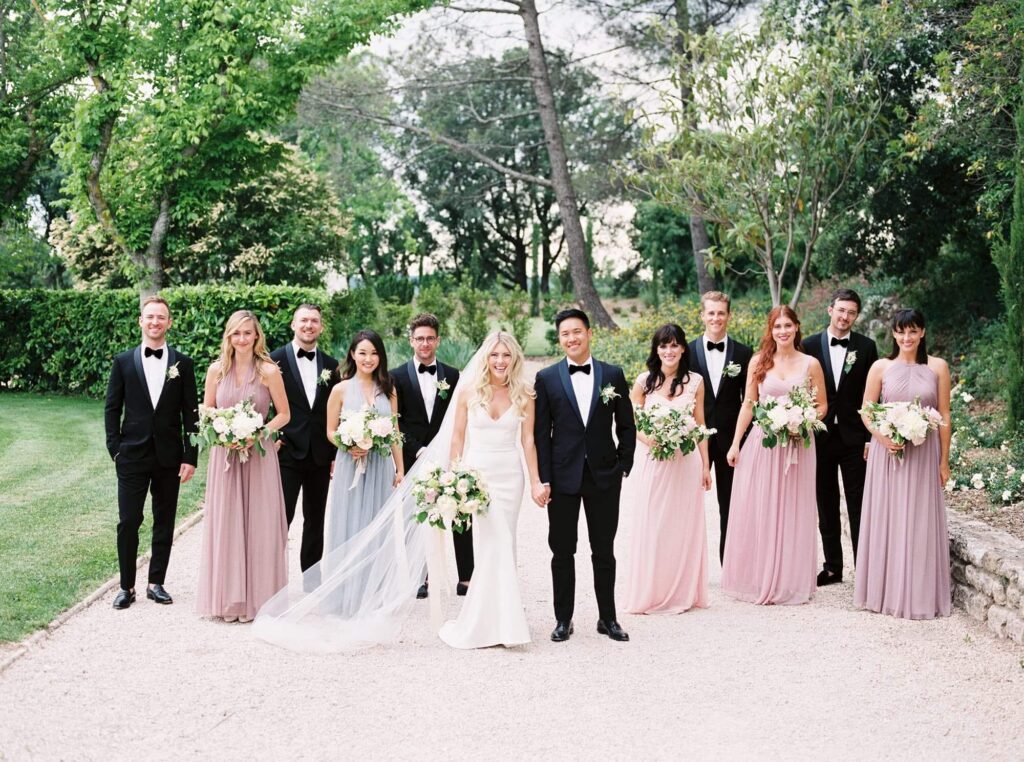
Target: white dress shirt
{"type": "Point", "coordinates": [837, 353]}
{"type": "Point", "coordinates": [155, 369]}
{"type": "Point", "coordinates": [715, 361]}
{"type": "Point", "coordinates": [583, 387]}
{"type": "Point", "coordinates": [428, 386]}
{"type": "Point", "coordinates": [307, 372]}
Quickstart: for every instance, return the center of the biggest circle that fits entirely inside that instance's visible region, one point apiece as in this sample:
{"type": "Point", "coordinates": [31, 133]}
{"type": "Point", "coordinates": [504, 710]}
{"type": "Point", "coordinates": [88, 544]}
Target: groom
{"type": "Point", "coordinates": [578, 403]}
{"type": "Point", "coordinates": [150, 410]}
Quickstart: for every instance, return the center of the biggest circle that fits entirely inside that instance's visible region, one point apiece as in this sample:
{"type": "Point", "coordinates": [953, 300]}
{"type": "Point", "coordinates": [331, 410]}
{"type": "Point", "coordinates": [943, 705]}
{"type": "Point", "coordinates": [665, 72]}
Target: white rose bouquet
{"type": "Point", "coordinates": [903, 422]}
{"type": "Point", "coordinates": [368, 430]}
{"type": "Point", "coordinates": [788, 419]}
{"type": "Point", "coordinates": [672, 429]}
{"type": "Point", "coordinates": [239, 428]}
{"type": "Point", "coordinates": [450, 498]}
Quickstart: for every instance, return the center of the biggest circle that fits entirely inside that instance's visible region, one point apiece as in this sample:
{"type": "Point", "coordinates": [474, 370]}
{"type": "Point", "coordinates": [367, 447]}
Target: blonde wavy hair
{"type": "Point", "coordinates": [520, 391]}
{"type": "Point", "coordinates": [260, 355]}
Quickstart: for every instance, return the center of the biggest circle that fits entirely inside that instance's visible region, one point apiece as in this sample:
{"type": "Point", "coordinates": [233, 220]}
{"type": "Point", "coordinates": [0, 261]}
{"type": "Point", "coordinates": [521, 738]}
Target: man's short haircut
{"type": "Point", "coordinates": [154, 299]}
{"type": "Point", "coordinates": [845, 295]}
{"type": "Point", "coordinates": [308, 306]}
{"type": "Point", "coordinates": [572, 312]}
{"type": "Point", "coordinates": [425, 320]}
{"type": "Point", "coordinates": [715, 296]}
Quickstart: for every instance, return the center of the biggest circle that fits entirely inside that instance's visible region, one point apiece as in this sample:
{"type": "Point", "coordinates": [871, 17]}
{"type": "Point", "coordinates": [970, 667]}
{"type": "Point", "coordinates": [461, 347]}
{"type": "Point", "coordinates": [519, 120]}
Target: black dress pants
{"type": "Point", "coordinates": [134, 479]}
{"type": "Point", "coordinates": [313, 480]}
{"type": "Point", "coordinates": [723, 489]}
{"type": "Point", "coordinates": [835, 457]}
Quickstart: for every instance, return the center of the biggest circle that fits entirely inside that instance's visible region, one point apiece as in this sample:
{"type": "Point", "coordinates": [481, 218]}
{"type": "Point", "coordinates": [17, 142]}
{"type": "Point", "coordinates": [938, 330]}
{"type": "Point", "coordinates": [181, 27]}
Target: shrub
{"type": "Point", "coordinates": [514, 314]}
{"type": "Point", "coordinates": [472, 323]}
{"type": "Point", "coordinates": [436, 299]}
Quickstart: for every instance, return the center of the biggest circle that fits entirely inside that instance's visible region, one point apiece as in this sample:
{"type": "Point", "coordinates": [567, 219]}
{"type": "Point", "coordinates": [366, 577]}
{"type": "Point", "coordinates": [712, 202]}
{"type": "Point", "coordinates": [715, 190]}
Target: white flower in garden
{"type": "Point", "coordinates": [977, 481]}
{"type": "Point", "coordinates": [967, 397]}
{"type": "Point", "coordinates": [951, 484]}
{"type": "Point", "coordinates": [964, 488]}
{"type": "Point", "coordinates": [1010, 470]}
{"type": "Point", "coordinates": [1004, 447]}
{"type": "Point", "coordinates": [1007, 495]}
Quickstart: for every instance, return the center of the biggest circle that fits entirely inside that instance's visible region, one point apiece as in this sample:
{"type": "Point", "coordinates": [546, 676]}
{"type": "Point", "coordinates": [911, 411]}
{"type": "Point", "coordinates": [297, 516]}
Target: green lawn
{"type": "Point", "coordinates": [58, 508]}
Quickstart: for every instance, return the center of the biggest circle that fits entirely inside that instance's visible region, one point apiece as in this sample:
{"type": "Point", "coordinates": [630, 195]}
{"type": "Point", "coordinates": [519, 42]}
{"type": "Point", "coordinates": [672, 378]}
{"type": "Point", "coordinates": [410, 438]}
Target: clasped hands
{"type": "Point", "coordinates": [541, 494]}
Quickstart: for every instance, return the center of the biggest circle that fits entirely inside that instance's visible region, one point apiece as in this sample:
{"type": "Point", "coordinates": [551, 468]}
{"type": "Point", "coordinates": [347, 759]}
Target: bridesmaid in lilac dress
{"type": "Point", "coordinates": [244, 529]}
{"type": "Point", "coordinates": [668, 558]}
{"type": "Point", "coordinates": [903, 561]}
{"type": "Point", "coordinates": [771, 546]}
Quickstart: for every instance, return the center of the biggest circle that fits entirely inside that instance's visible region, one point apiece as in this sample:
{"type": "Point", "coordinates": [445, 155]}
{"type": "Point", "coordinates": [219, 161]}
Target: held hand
{"type": "Point", "coordinates": [357, 452]}
{"type": "Point", "coordinates": [889, 444]}
{"type": "Point", "coordinates": [186, 472]}
{"type": "Point", "coordinates": [944, 474]}
{"type": "Point", "coordinates": [866, 444]}
{"type": "Point", "coordinates": [733, 457]}
{"type": "Point", "coordinates": [541, 494]}
{"type": "Point", "coordinates": [397, 480]}
{"type": "Point", "coordinates": [705, 479]}
{"type": "Point", "coordinates": [277, 444]}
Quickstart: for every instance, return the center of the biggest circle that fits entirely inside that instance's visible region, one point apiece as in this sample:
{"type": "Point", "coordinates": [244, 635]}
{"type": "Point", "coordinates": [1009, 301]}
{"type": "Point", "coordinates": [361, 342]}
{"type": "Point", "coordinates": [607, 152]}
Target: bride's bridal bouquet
{"type": "Point", "coordinates": [790, 418]}
{"type": "Point", "coordinates": [369, 430]}
{"type": "Point", "coordinates": [449, 498]}
{"type": "Point", "coordinates": [239, 428]}
{"type": "Point", "coordinates": [672, 429]}
{"type": "Point", "coordinates": [902, 422]}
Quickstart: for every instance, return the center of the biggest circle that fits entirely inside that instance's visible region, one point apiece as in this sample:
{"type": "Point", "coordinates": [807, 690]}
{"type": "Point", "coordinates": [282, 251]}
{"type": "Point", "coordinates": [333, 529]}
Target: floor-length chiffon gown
{"type": "Point", "coordinates": [903, 554]}
{"type": "Point", "coordinates": [244, 527]}
{"type": "Point", "coordinates": [771, 551]}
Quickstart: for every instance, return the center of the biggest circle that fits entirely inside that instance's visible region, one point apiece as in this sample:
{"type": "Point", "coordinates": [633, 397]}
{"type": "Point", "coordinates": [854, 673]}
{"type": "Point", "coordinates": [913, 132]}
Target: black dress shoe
{"type": "Point", "coordinates": [422, 592]}
{"type": "Point", "coordinates": [461, 589]}
{"type": "Point", "coordinates": [826, 577]}
{"type": "Point", "coordinates": [158, 594]}
{"type": "Point", "coordinates": [612, 629]}
{"type": "Point", "coordinates": [124, 599]}
{"type": "Point", "coordinates": [561, 632]}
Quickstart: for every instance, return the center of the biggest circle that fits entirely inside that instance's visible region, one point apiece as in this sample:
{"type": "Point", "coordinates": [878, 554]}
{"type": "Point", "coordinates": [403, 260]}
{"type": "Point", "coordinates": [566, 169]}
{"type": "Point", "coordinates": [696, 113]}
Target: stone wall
{"type": "Point", "coordinates": [988, 575]}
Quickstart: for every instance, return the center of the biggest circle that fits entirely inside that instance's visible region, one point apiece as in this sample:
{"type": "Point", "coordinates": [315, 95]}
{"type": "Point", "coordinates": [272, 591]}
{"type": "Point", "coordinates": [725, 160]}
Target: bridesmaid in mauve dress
{"type": "Point", "coordinates": [668, 559]}
{"type": "Point", "coordinates": [244, 529]}
{"type": "Point", "coordinates": [903, 561]}
{"type": "Point", "coordinates": [771, 547]}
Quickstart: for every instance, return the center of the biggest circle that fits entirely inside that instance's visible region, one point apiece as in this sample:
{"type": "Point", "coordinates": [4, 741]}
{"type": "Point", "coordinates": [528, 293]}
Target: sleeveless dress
{"type": "Point", "coordinates": [492, 613]}
{"type": "Point", "coordinates": [245, 535]}
{"type": "Point", "coordinates": [771, 547]}
{"type": "Point", "coordinates": [903, 558]}
{"type": "Point", "coordinates": [668, 558]}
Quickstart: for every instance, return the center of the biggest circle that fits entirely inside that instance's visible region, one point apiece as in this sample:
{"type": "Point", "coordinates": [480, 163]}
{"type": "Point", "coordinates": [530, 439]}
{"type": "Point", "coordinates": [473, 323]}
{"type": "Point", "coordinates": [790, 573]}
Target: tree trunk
{"type": "Point", "coordinates": [152, 279]}
{"type": "Point", "coordinates": [582, 278]}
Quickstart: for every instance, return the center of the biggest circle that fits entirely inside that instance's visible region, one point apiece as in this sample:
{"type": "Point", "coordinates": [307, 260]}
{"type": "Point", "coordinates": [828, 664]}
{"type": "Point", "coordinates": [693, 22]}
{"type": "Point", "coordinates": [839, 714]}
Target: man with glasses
{"type": "Point", "coordinates": [425, 387]}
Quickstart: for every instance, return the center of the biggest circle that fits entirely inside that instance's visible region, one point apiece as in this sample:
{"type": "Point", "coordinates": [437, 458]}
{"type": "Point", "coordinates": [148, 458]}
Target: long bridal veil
{"type": "Point", "coordinates": [362, 591]}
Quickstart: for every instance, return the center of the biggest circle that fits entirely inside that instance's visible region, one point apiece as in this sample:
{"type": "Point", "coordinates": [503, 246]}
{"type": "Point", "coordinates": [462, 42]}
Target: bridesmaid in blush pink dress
{"type": "Point", "coordinates": [903, 561]}
{"type": "Point", "coordinates": [668, 558]}
{"type": "Point", "coordinates": [771, 546]}
{"type": "Point", "coordinates": [244, 528]}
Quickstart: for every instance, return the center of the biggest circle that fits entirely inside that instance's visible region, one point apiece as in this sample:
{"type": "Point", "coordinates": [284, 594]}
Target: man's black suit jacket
{"type": "Point", "coordinates": [564, 444]}
{"type": "Point", "coordinates": [721, 410]}
{"type": "Point", "coordinates": [131, 421]}
{"type": "Point", "coordinates": [846, 397]}
{"type": "Point", "coordinates": [306, 432]}
{"type": "Point", "coordinates": [412, 410]}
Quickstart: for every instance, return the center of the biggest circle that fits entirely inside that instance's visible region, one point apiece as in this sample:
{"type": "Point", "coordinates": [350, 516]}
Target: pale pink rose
{"type": "Point", "coordinates": [381, 427]}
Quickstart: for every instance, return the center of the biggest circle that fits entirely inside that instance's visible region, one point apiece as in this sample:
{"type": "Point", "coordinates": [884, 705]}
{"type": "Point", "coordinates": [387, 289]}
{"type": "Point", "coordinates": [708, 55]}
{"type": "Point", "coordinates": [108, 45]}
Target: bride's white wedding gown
{"type": "Point", "coordinates": [492, 613]}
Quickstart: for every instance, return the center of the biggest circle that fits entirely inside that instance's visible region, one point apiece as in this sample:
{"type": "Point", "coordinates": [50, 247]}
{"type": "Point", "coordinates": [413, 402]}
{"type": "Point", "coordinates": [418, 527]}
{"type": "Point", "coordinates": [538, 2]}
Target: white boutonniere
{"type": "Point", "coordinates": [173, 372]}
{"type": "Point", "coordinates": [731, 370]}
{"type": "Point", "coordinates": [608, 393]}
{"type": "Point", "coordinates": [442, 388]}
{"type": "Point", "coordinates": [325, 377]}
{"type": "Point", "coordinates": [851, 358]}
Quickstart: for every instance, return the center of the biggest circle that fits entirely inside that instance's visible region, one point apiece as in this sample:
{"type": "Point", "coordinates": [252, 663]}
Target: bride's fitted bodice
{"type": "Point", "coordinates": [483, 433]}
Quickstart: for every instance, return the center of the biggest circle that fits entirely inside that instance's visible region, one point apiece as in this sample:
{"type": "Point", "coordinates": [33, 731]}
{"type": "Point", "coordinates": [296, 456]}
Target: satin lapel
{"type": "Point", "coordinates": [293, 365]}
{"type": "Point", "coordinates": [414, 391]}
{"type": "Point", "coordinates": [137, 358]}
{"type": "Point", "coordinates": [702, 364]}
{"type": "Point", "coordinates": [563, 375]}
{"type": "Point", "coordinates": [170, 363]}
{"type": "Point", "coordinates": [317, 386]}
{"type": "Point", "coordinates": [826, 360]}
{"type": "Point", "coordinates": [596, 396]}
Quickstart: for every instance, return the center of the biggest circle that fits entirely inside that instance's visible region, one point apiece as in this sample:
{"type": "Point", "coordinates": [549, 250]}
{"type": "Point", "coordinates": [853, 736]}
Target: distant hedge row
{"type": "Point", "coordinates": [64, 341]}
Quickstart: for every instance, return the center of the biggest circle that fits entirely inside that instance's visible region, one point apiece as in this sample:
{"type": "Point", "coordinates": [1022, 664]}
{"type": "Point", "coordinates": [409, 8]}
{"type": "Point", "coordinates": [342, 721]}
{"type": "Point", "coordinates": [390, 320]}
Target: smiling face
{"type": "Point", "coordinates": [155, 320]}
{"type": "Point", "coordinates": [908, 338]}
{"type": "Point", "coordinates": [498, 362]}
{"type": "Point", "coordinates": [365, 357]}
{"type": "Point", "coordinates": [574, 338]}
{"type": "Point", "coordinates": [424, 341]}
{"type": "Point", "coordinates": [715, 316]}
{"type": "Point", "coordinates": [670, 354]}
{"type": "Point", "coordinates": [307, 325]}
{"type": "Point", "coordinates": [784, 332]}
{"type": "Point", "coordinates": [243, 338]}
{"type": "Point", "coordinates": [842, 315]}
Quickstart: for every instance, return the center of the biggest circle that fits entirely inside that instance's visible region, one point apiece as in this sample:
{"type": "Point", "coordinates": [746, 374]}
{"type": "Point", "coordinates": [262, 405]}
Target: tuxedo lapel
{"type": "Point", "coordinates": [137, 359]}
{"type": "Point", "coordinates": [293, 366]}
{"type": "Point", "coordinates": [595, 397]}
{"type": "Point", "coordinates": [563, 376]}
{"type": "Point", "coordinates": [702, 364]}
{"type": "Point", "coordinates": [826, 361]}
{"type": "Point", "coordinates": [316, 384]}
{"type": "Point", "coordinates": [414, 391]}
{"type": "Point", "coordinates": [171, 359]}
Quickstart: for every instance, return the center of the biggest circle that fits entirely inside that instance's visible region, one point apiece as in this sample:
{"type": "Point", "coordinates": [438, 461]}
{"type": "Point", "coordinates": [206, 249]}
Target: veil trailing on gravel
{"type": "Point", "coordinates": [362, 591]}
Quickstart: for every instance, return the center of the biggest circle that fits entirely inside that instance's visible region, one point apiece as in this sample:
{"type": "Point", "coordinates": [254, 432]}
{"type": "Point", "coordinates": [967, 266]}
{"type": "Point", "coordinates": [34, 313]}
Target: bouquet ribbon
{"type": "Point", "coordinates": [792, 455]}
{"type": "Point", "coordinates": [360, 470]}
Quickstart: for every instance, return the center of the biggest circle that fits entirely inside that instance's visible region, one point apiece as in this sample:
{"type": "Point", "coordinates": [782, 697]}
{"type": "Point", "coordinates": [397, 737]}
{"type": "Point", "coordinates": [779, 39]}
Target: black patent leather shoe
{"type": "Point", "coordinates": [461, 589]}
{"type": "Point", "coordinates": [826, 577]}
{"type": "Point", "coordinates": [422, 592]}
{"type": "Point", "coordinates": [124, 599]}
{"type": "Point", "coordinates": [612, 629]}
{"type": "Point", "coordinates": [158, 594]}
{"type": "Point", "coordinates": [562, 632]}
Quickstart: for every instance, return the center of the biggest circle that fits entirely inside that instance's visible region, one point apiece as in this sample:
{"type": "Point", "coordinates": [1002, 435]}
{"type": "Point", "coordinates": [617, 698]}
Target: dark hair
{"type": "Point", "coordinates": [845, 295]}
{"type": "Point", "coordinates": [308, 306]}
{"type": "Point", "coordinates": [909, 318]}
{"type": "Point", "coordinates": [766, 358]}
{"type": "Point", "coordinates": [424, 320]}
{"type": "Point", "coordinates": [572, 312]}
{"type": "Point", "coordinates": [381, 377]}
{"type": "Point", "coordinates": [667, 334]}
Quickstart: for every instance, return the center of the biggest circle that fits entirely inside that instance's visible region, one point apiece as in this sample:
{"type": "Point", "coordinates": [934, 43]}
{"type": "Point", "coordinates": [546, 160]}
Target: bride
{"type": "Point", "coordinates": [493, 413]}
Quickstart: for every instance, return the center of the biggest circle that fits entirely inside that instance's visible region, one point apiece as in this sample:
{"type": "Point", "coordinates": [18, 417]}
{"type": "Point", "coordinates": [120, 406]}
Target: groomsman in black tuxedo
{"type": "Point", "coordinates": [845, 357]}
{"type": "Point", "coordinates": [580, 401]}
{"type": "Point", "coordinates": [425, 387]}
{"type": "Point", "coordinates": [722, 362]}
{"type": "Point", "coordinates": [151, 408]}
{"type": "Point", "coordinates": [305, 455]}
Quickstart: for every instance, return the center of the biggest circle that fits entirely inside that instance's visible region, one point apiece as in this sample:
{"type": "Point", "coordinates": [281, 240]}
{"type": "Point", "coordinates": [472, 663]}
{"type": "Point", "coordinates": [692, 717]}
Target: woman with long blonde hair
{"type": "Point", "coordinates": [245, 534]}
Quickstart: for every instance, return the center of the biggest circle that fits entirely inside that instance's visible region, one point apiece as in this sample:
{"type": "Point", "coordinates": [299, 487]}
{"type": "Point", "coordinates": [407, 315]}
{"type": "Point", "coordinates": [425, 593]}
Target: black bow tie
{"type": "Point", "coordinates": [840, 342]}
{"type": "Point", "coordinates": [719, 345]}
{"type": "Point", "coordinates": [157, 353]}
{"type": "Point", "coordinates": [431, 369]}
{"type": "Point", "coordinates": [303, 353]}
{"type": "Point", "coordinates": [579, 369]}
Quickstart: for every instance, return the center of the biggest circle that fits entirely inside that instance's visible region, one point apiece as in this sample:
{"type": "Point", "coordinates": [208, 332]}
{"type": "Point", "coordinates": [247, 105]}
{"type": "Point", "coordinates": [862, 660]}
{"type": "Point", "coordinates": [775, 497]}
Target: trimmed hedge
{"type": "Point", "coordinates": [64, 341]}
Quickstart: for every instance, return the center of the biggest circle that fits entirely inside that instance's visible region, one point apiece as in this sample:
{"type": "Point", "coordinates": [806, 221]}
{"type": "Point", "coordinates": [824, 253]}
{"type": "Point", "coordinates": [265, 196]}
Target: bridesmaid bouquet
{"type": "Point", "coordinates": [902, 422]}
{"type": "Point", "coordinates": [368, 430]}
{"type": "Point", "coordinates": [672, 429]}
{"type": "Point", "coordinates": [789, 418]}
{"type": "Point", "coordinates": [238, 428]}
{"type": "Point", "coordinates": [450, 498]}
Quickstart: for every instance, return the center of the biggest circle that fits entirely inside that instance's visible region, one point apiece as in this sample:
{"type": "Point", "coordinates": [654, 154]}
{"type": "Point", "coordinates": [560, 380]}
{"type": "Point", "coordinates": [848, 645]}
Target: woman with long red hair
{"type": "Point", "coordinates": [771, 546]}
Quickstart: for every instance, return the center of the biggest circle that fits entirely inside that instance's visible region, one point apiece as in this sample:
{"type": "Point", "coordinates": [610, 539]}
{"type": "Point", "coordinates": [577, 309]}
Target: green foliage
{"type": "Point", "coordinates": [514, 313]}
{"type": "Point", "coordinates": [982, 456]}
{"type": "Point", "coordinates": [27, 262]}
{"type": "Point", "coordinates": [394, 317]}
{"type": "Point", "coordinates": [434, 299]}
{"type": "Point", "coordinates": [472, 323]}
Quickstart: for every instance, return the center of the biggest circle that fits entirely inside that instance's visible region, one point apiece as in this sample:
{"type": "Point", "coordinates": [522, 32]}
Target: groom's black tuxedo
{"type": "Point", "coordinates": [720, 413]}
{"type": "Point", "coordinates": [419, 430]}
{"type": "Point", "coordinates": [583, 462]}
{"type": "Point", "coordinates": [149, 444]}
{"type": "Point", "coordinates": [306, 454]}
{"type": "Point", "coordinates": [841, 446]}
